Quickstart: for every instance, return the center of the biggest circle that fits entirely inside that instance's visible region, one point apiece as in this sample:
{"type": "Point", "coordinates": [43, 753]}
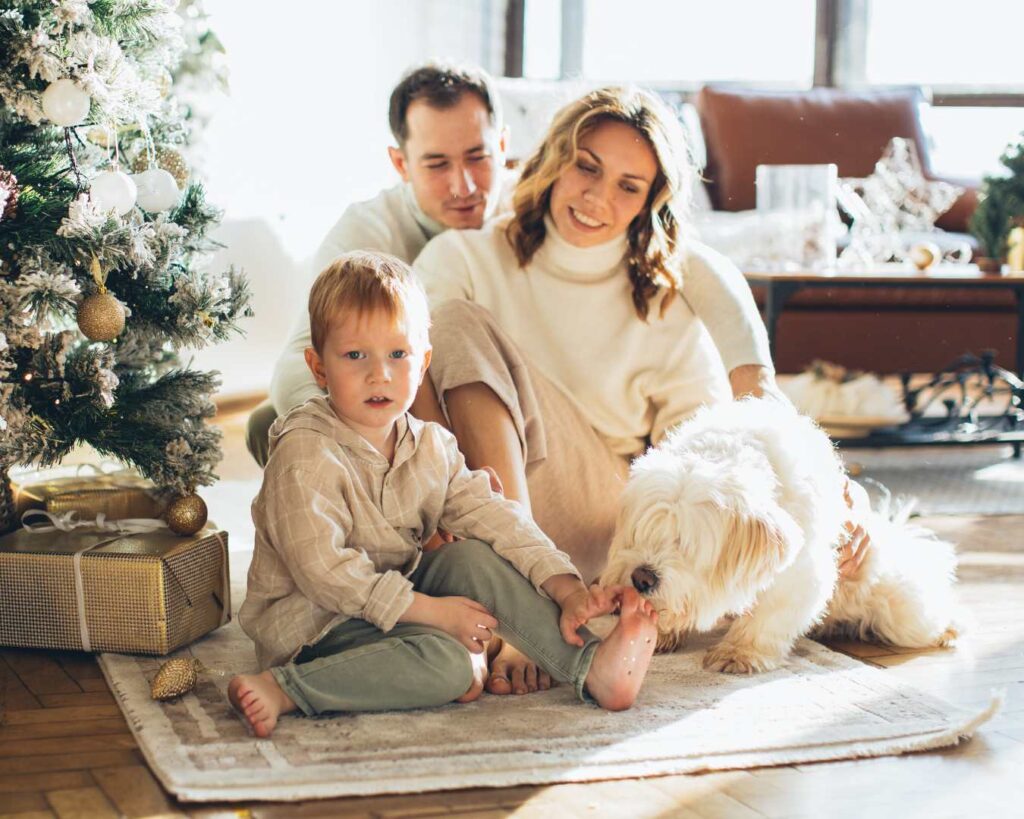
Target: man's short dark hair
{"type": "Point", "coordinates": [441, 86]}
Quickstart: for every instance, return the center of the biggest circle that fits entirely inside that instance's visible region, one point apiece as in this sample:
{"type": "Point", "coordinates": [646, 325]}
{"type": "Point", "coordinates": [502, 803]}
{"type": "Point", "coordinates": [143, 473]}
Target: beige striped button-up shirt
{"type": "Point", "coordinates": [339, 529]}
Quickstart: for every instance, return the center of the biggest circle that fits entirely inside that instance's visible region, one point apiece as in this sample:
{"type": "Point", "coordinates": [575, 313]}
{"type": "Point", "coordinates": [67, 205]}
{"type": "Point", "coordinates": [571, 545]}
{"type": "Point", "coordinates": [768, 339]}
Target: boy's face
{"type": "Point", "coordinates": [452, 159]}
{"type": "Point", "coordinates": [371, 369]}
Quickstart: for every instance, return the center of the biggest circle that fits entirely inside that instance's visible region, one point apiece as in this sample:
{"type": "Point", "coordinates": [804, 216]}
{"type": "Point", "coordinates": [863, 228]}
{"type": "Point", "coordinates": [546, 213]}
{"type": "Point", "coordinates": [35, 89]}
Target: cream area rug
{"type": "Point", "coordinates": [820, 706]}
{"type": "Point", "coordinates": [949, 480]}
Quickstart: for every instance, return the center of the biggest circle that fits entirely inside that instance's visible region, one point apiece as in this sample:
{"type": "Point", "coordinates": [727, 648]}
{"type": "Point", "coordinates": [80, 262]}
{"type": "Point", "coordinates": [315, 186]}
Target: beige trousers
{"type": "Point", "coordinates": [574, 479]}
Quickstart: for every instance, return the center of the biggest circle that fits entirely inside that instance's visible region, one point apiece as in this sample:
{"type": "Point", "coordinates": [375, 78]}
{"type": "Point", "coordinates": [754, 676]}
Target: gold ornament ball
{"type": "Point", "coordinates": [175, 677]}
{"type": "Point", "coordinates": [186, 515]}
{"type": "Point", "coordinates": [167, 159]}
{"type": "Point", "coordinates": [101, 317]}
{"type": "Point", "coordinates": [925, 254]}
{"type": "Point", "coordinates": [175, 164]}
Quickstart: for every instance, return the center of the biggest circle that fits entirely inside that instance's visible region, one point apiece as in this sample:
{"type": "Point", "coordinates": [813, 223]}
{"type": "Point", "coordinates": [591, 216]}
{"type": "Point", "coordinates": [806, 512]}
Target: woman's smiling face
{"type": "Point", "coordinates": [596, 197]}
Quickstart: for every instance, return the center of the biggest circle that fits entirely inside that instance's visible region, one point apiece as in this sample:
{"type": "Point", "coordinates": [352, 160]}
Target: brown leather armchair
{"type": "Point", "coordinates": [887, 330]}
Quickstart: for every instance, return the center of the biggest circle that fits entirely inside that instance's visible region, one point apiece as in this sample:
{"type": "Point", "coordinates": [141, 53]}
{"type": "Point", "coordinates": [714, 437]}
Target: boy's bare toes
{"type": "Point", "coordinates": [519, 680]}
{"type": "Point", "coordinates": [499, 682]}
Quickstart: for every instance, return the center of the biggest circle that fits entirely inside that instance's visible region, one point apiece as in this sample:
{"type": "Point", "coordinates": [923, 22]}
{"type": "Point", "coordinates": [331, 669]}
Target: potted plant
{"type": "Point", "coordinates": [1001, 201]}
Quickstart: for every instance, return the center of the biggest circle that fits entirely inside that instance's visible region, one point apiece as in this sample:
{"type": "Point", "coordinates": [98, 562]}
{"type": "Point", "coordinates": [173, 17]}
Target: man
{"type": "Point", "coordinates": [450, 154]}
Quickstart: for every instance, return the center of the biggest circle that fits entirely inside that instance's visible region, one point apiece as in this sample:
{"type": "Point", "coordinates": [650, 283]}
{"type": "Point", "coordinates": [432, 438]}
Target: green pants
{"type": "Point", "coordinates": [257, 439]}
{"type": "Point", "coordinates": [357, 667]}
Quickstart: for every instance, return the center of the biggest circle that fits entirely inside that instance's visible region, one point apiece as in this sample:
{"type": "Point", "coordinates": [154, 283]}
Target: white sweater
{"type": "Point", "coordinates": [392, 222]}
{"type": "Point", "coordinates": [571, 312]}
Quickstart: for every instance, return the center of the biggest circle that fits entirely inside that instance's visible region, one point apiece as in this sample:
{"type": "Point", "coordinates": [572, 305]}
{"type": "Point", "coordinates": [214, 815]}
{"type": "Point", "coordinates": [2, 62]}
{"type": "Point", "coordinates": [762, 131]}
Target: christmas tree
{"type": "Point", "coordinates": [104, 240]}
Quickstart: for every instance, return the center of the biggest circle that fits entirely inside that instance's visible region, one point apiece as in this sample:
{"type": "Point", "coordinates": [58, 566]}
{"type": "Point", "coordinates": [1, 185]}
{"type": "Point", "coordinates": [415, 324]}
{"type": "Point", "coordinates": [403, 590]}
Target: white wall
{"type": "Point", "coordinates": [304, 133]}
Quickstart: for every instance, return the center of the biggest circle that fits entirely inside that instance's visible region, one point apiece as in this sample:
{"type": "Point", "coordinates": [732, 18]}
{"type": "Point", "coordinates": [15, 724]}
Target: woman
{"type": "Point", "coordinates": [574, 333]}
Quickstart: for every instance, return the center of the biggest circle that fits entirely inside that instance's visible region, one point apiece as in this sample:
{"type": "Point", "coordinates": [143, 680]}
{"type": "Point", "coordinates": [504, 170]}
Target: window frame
{"type": "Point", "coordinates": [839, 55]}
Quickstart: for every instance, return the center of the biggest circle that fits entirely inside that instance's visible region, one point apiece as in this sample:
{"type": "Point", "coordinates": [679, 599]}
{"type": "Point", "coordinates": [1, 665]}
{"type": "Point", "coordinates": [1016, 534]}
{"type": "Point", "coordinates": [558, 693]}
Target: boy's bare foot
{"type": "Point", "coordinates": [476, 688]}
{"type": "Point", "coordinates": [259, 699]}
{"type": "Point", "coordinates": [512, 672]}
{"type": "Point", "coordinates": [621, 660]}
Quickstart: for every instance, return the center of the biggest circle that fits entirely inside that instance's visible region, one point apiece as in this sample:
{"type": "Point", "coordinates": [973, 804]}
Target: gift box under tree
{"type": "Point", "coordinates": [87, 489]}
{"type": "Point", "coordinates": [145, 593]}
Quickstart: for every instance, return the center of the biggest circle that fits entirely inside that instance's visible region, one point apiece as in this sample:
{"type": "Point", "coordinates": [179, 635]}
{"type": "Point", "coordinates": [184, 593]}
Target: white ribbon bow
{"type": "Point", "coordinates": [68, 522]}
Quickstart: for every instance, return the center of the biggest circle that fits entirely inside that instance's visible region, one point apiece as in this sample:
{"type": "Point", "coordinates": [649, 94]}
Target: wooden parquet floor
{"type": "Point", "coordinates": [66, 751]}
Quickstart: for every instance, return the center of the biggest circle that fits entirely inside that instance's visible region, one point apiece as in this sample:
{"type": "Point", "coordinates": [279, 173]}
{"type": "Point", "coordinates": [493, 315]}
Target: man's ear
{"type": "Point", "coordinates": [316, 366]}
{"type": "Point", "coordinates": [399, 161]}
{"type": "Point", "coordinates": [503, 143]}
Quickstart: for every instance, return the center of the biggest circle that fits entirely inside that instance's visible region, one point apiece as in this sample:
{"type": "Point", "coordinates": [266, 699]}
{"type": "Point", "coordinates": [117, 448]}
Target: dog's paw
{"type": "Point", "coordinates": [733, 659]}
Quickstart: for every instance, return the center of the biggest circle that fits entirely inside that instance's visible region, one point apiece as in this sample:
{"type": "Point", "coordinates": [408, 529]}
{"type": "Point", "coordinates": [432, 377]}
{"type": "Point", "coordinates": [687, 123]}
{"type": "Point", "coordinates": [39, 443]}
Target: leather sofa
{"type": "Point", "coordinates": [881, 330]}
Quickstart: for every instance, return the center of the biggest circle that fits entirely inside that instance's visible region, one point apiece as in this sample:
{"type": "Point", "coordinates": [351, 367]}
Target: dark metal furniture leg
{"type": "Point", "coordinates": [776, 294]}
{"type": "Point", "coordinates": [1019, 366]}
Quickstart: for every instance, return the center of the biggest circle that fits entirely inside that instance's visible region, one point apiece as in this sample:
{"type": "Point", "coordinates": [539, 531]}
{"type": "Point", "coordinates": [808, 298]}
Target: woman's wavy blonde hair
{"type": "Point", "coordinates": [654, 233]}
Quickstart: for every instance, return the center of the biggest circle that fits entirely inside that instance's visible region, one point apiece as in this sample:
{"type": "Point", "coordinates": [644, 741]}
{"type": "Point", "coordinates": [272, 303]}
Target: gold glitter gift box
{"type": "Point", "coordinates": [100, 591]}
{"type": "Point", "coordinates": [119, 494]}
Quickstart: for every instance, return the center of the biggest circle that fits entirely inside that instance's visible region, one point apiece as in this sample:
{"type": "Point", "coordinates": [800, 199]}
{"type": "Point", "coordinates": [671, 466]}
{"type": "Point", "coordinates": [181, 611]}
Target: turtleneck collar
{"type": "Point", "coordinates": [583, 264]}
{"type": "Point", "coordinates": [430, 227]}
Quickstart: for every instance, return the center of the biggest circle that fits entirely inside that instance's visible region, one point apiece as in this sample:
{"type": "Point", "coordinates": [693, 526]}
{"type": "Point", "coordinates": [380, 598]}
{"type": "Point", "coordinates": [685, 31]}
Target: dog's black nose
{"type": "Point", "coordinates": [644, 579]}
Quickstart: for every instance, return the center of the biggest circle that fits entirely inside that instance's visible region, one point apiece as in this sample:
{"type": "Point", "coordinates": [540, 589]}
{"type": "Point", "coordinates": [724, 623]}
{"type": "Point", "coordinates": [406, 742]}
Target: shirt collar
{"type": "Point", "coordinates": [408, 431]}
{"type": "Point", "coordinates": [582, 264]}
{"type": "Point", "coordinates": [430, 227]}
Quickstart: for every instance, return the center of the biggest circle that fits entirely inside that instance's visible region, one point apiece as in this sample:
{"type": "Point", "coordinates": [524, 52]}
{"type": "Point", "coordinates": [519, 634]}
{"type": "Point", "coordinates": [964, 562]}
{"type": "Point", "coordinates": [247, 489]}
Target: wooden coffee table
{"type": "Point", "coordinates": [779, 286]}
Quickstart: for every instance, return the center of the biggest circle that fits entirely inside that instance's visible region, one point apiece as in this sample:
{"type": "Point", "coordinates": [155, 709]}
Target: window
{"type": "Point", "coordinates": [967, 54]}
{"type": "Point", "coordinates": [945, 42]}
{"type": "Point", "coordinates": [672, 42]}
{"type": "Point", "coordinates": [967, 142]}
{"type": "Point", "coordinates": [542, 46]}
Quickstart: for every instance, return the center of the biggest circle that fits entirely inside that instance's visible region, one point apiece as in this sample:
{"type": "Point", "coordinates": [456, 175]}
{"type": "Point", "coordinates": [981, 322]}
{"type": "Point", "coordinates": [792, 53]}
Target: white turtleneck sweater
{"type": "Point", "coordinates": [392, 222]}
{"type": "Point", "coordinates": [571, 313]}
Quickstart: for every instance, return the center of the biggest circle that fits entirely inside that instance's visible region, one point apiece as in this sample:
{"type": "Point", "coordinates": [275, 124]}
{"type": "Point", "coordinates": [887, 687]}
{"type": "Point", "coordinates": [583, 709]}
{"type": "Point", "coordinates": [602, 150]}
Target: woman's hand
{"type": "Point", "coordinates": [466, 620]}
{"type": "Point", "coordinates": [755, 381]}
{"type": "Point", "coordinates": [858, 544]}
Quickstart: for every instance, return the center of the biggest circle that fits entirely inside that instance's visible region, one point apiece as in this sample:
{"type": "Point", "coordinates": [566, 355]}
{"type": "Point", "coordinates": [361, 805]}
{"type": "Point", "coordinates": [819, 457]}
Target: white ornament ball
{"type": "Point", "coordinates": [925, 254]}
{"type": "Point", "coordinates": [65, 103]}
{"type": "Point", "coordinates": [113, 190]}
{"type": "Point", "coordinates": [157, 190]}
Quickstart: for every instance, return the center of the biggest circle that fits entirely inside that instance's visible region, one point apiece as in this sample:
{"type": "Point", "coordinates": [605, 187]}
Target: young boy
{"type": "Point", "coordinates": [347, 611]}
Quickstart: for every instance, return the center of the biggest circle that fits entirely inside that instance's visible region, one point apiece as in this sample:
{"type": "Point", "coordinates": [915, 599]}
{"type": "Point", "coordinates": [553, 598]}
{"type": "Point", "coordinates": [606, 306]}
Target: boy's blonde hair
{"type": "Point", "coordinates": [654, 235]}
{"type": "Point", "coordinates": [362, 282]}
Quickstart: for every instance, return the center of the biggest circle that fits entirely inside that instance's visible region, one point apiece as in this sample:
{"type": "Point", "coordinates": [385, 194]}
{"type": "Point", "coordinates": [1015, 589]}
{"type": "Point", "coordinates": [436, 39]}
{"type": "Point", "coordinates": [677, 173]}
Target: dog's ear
{"type": "Point", "coordinates": [756, 548]}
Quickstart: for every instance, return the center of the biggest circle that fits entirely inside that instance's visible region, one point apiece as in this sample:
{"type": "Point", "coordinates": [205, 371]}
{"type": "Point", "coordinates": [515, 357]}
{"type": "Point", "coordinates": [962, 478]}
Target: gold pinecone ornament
{"type": "Point", "coordinates": [175, 677]}
{"type": "Point", "coordinates": [101, 317]}
{"type": "Point", "coordinates": [186, 515]}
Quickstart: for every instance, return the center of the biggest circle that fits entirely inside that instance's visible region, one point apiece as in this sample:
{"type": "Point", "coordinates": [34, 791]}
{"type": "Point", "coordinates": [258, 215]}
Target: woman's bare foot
{"type": "Point", "coordinates": [621, 660]}
{"type": "Point", "coordinates": [476, 688]}
{"type": "Point", "coordinates": [512, 672]}
{"type": "Point", "coordinates": [259, 699]}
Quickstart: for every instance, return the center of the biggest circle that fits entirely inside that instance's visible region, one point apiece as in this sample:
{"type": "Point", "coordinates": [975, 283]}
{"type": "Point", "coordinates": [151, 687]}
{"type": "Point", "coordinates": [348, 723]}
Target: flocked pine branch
{"type": "Point", "coordinates": [128, 398]}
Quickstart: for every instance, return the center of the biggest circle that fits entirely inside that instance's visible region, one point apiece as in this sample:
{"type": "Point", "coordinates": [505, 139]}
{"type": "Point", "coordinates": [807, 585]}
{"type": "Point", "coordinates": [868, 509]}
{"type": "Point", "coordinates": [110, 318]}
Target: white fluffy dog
{"type": "Point", "coordinates": [741, 511]}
